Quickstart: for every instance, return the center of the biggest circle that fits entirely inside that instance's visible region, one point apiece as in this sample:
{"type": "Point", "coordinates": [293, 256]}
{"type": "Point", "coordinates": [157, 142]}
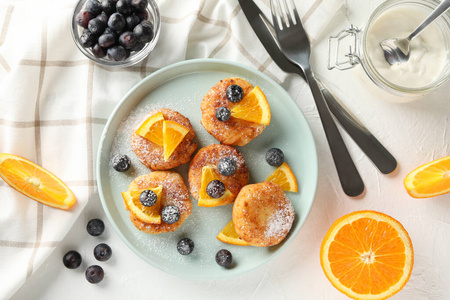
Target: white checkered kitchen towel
{"type": "Point", "coordinates": [55, 102]}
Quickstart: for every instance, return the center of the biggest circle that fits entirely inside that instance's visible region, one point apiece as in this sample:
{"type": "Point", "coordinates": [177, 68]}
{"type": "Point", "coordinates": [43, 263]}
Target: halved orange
{"type": "Point", "coordinates": [254, 107]}
{"type": "Point", "coordinates": [173, 135]}
{"type": "Point", "coordinates": [152, 129]}
{"type": "Point", "coordinates": [429, 180]}
{"type": "Point", "coordinates": [367, 255]}
{"type": "Point", "coordinates": [228, 235]}
{"type": "Point", "coordinates": [208, 175]}
{"type": "Point", "coordinates": [35, 182]}
{"type": "Point", "coordinates": [147, 214]}
{"type": "Point", "coordinates": [285, 178]}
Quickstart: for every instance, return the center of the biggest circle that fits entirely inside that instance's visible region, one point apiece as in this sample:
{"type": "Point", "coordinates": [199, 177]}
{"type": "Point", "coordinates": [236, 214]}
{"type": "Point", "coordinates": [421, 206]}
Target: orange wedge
{"type": "Point", "coordinates": [152, 129]}
{"type": "Point", "coordinates": [285, 178]}
{"type": "Point", "coordinates": [147, 214]}
{"type": "Point", "coordinates": [367, 255]}
{"type": "Point", "coordinates": [208, 175]}
{"type": "Point", "coordinates": [35, 182]}
{"type": "Point", "coordinates": [429, 180]}
{"type": "Point", "coordinates": [228, 235]}
{"type": "Point", "coordinates": [253, 108]}
{"type": "Point", "coordinates": [173, 135]}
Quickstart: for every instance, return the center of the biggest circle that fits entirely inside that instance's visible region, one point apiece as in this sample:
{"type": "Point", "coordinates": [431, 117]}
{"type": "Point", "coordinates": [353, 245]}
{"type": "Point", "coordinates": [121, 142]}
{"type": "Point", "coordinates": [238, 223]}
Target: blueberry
{"type": "Point", "coordinates": [235, 93]}
{"type": "Point", "coordinates": [142, 14]}
{"type": "Point", "coordinates": [185, 246]}
{"type": "Point", "coordinates": [96, 26]}
{"type": "Point", "coordinates": [94, 7]}
{"type": "Point", "coordinates": [138, 47]}
{"type": "Point", "coordinates": [94, 274]}
{"type": "Point", "coordinates": [143, 32]}
{"type": "Point", "coordinates": [224, 258]}
{"type": "Point", "coordinates": [88, 39]}
{"type": "Point", "coordinates": [116, 53]}
{"type": "Point", "coordinates": [102, 252]}
{"type": "Point", "coordinates": [127, 40]}
{"type": "Point", "coordinates": [103, 17]}
{"type": "Point", "coordinates": [139, 4]}
{"type": "Point", "coordinates": [274, 157]}
{"type": "Point", "coordinates": [107, 39]}
{"type": "Point", "coordinates": [170, 214]}
{"type": "Point", "coordinates": [98, 51]}
{"type": "Point", "coordinates": [132, 21]}
{"type": "Point", "coordinates": [120, 162]}
{"type": "Point", "coordinates": [83, 18]}
{"type": "Point", "coordinates": [72, 259]}
{"type": "Point", "coordinates": [148, 198]}
{"type": "Point", "coordinates": [95, 227]}
{"type": "Point", "coordinates": [109, 6]}
{"type": "Point", "coordinates": [116, 22]}
{"type": "Point", "coordinates": [124, 7]}
{"type": "Point", "coordinates": [223, 114]}
{"type": "Point", "coordinates": [227, 166]}
{"type": "Point", "coordinates": [215, 189]}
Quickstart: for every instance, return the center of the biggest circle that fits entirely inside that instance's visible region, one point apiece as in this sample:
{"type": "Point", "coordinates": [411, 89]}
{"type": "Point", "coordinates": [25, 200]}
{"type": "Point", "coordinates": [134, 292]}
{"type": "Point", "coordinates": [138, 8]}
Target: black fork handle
{"type": "Point", "coordinates": [349, 177]}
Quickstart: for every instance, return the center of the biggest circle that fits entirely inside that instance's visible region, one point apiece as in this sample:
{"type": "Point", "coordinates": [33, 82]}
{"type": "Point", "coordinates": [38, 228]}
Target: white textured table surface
{"type": "Point", "coordinates": [415, 133]}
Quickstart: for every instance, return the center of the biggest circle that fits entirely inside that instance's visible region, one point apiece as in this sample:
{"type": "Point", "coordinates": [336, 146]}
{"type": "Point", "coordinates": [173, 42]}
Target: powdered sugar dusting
{"type": "Point", "coordinates": [280, 222]}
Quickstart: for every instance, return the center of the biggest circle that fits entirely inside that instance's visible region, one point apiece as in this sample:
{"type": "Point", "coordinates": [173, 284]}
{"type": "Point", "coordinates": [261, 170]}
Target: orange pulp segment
{"type": "Point", "coordinates": [254, 107]}
{"type": "Point", "coordinates": [285, 178]}
{"type": "Point", "coordinates": [429, 180]}
{"type": "Point", "coordinates": [229, 235]}
{"type": "Point", "coordinates": [147, 214]}
{"type": "Point", "coordinates": [35, 182]}
{"type": "Point", "coordinates": [208, 175]}
{"type": "Point", "coordinates": [367, 255]}
{"type": "Point", "coordinates": [152, 129]}
{"type": "Point", "coordinates": [173, 135]}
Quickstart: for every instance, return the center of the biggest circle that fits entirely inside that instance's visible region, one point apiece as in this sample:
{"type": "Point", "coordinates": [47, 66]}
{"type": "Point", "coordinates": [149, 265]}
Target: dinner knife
{"type": "Point", "coordinates": [368, 143]}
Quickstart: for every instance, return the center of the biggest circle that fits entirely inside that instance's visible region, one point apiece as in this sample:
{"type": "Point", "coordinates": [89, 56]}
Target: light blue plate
{"type": "Point", "coordinates": [181, 87]}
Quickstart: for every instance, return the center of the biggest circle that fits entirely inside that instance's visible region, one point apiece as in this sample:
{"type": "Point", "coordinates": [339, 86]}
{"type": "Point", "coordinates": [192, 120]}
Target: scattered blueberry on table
{"type": "Point", "coordinates": [120, 162]}
{"type": "Point", "coordinates": [72, 259]}
{"type": "Point", "coordinates": [95, 227]}
{"type": "Point", "coordinates": [102, 252]}
{"type": "Point", "coordinates": [94, 274]}
{"type": "Point", "coordinates": [185, 246]}
{"type": "Point", "coordinates": [224, 258]}
{"type": "Point", "coordinates": [275, 157]}
{"type": "Point", "coordinates": [115, 28]}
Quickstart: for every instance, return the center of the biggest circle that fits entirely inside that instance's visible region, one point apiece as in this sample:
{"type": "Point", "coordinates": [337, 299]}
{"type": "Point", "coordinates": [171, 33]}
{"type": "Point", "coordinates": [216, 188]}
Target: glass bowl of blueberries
{"type": "Point", "coordinates": [117, 33]}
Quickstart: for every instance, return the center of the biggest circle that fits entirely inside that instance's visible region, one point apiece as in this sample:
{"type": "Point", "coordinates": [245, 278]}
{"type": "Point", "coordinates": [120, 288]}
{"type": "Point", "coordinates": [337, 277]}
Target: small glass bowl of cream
{"type": "Point", "coordinates": [429, 64]}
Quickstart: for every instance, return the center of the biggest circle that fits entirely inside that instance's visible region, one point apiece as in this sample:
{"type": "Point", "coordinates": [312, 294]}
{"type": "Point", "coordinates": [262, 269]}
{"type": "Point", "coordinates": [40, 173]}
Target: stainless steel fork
{"type": "Point", "coordinates": [295, 45]}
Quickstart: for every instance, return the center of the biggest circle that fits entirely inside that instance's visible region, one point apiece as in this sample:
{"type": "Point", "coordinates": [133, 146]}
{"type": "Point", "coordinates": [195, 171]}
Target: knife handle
{"type": "Point", "coordinates": [368, 143]}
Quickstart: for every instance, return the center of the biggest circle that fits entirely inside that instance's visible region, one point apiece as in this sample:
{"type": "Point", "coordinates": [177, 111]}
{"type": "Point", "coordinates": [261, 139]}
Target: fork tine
{"type": "Point", "coordinates": [287, 13]}
{"type": "Point", "coordinates": [294, 10]}
{"type": "Point", "coordinates": [276, 16]}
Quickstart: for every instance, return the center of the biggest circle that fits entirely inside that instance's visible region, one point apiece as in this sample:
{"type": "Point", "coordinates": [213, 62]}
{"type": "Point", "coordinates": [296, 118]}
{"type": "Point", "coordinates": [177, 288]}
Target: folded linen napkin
{"type": "Point", "coordinates": [55, 102]}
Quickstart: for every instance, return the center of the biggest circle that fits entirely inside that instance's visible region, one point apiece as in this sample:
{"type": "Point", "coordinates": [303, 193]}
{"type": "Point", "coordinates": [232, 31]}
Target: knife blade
{"type": "Point", "coordinates": [368, 143]}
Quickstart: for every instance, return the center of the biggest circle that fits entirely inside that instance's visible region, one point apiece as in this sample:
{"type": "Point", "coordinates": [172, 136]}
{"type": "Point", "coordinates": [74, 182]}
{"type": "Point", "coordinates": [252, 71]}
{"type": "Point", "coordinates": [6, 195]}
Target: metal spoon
{"type": "Point", "coordinates": [396, 51]}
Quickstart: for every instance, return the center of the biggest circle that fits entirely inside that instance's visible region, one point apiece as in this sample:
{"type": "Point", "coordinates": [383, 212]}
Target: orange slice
{"type": "Point", "coordinates": [367, 255]}
{"type": "Point", "coordinates": [147, 214]}
{"type": "Point", "coordinates": [152, 129]}
{"type": "Point", "coordinates": [173, 135]}
{"type": "Point", "coordinates": [285, 178]}
{"type": "Point", "coordinates": [429, 180]}
{"type": "Point", "coordinates": [35, 182]}
{"type": "Point", "coordinates": [253, 107]}
{"type": "Point", "coordinates": [228, 235]}
{"type": "Point", "coordinates": [208, 175]}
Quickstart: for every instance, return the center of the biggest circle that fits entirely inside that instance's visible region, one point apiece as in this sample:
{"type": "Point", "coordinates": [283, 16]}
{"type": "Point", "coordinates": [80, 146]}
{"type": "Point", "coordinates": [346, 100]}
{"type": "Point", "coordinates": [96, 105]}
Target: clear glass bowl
{"type": "Point", "coordinates": [135, 56]}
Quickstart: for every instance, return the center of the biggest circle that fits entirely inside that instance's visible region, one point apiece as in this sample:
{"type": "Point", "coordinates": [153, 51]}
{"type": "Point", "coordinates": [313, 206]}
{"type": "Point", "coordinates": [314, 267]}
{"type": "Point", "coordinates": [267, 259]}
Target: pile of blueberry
{"type": "Point", "coordinates": [102, 252]}
{"type": "Point", "coordinates": [115, 28]}
{"type": "Point", "coordinates": [235, 94]}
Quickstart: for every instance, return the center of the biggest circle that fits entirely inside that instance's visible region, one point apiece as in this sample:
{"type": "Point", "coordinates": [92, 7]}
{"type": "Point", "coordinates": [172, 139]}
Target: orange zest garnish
{"type": "Point", "coordinates": [173, 135]}
{"type": "Point", "coordinates": [208, 175]}
{"type": "Point", "coordinates": [254, 107]}
{"type": "Point", "coordinates": [285, 178]}
{"type": "Point", "coordinates": [152, 129]}
{"type": "Point", "coordinates": [228, 235]}
{"type": "Point", "coordinates": [147, 214]}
